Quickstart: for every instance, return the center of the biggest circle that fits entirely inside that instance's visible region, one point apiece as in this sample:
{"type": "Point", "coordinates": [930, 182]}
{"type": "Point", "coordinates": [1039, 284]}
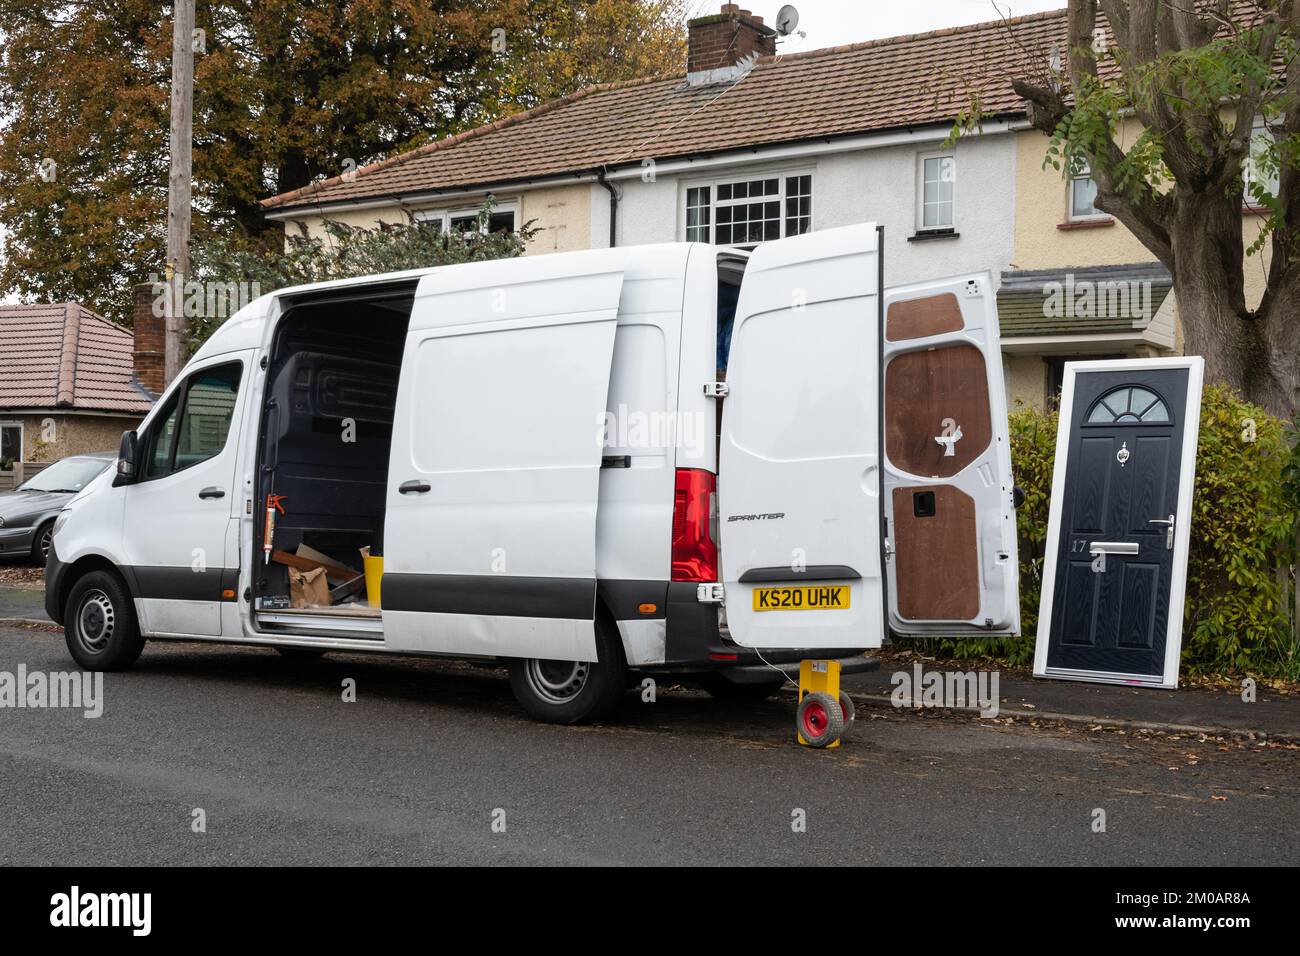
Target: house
{"type": "Point", "coordinates": [71, 382]}
{"type": "Point", "coordinates": [750, 144]}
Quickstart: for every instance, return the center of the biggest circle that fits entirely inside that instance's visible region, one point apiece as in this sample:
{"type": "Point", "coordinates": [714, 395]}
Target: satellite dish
{"type": "Point", "coordinates": [787, 18]}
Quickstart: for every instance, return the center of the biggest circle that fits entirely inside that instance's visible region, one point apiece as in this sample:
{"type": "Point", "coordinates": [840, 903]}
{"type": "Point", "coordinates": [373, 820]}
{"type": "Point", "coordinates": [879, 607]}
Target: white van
{"type": "Point", "coordinates": [558, 475]}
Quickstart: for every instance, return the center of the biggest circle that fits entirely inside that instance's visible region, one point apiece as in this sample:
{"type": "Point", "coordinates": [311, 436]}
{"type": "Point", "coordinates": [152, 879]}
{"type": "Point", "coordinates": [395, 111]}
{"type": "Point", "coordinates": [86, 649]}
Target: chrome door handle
{"type": "Point", "coordinates": [1169, 530]}
{"type": "Point", "coordinates": [414, 485]}
{"type": "Point", "coordinates": [212, 491]}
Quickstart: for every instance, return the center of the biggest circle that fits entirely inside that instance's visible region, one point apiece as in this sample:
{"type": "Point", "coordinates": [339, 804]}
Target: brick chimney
{"type": "Point", "coordinates": [147, 356]}
{"type": "Point", "coordinates": [722, 47]}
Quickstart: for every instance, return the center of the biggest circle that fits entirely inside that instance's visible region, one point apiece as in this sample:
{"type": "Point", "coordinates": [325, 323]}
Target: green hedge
{"type": "Point", "coordinates": [1244, 525]}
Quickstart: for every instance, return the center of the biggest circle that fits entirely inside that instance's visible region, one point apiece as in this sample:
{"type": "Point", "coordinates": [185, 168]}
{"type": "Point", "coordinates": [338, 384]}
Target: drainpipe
{"type": "Point", "coordinates": [613, 205]}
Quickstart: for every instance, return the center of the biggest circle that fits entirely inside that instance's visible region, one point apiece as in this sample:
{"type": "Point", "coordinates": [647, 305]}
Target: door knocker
{"type": "Point", "coordinates": [1122, 455]}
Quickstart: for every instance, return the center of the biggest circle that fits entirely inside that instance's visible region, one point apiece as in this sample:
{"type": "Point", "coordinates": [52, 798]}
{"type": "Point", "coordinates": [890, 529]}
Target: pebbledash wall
{"type": "Point", "coordinates": [561, 214]}
{"type": "Point", "coordinates": [73, 434]}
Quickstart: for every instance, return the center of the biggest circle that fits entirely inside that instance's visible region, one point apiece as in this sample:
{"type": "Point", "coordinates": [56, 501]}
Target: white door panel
{"type": "Point", "coordinates": [798, 482]}
{"type": "Point", "coordinates": [497, 439]}
{"type": "Point", "coordinates": [176, 525]}
{"type": "Point", "coordinates": [947, 463]}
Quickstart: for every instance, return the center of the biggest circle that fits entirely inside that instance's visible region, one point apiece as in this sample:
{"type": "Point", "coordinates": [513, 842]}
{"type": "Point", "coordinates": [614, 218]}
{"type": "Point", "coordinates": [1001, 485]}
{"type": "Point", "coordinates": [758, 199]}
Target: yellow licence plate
{"type": "Point", "coordinates": [804, 597]}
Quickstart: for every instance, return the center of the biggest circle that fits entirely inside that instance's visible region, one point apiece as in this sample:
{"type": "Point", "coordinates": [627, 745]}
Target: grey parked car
{"type": "Point", "coordinates": [27, 513]}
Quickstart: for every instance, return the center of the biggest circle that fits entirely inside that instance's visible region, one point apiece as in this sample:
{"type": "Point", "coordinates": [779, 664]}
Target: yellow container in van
{"type": "Point", "coordinates": [374, 568]}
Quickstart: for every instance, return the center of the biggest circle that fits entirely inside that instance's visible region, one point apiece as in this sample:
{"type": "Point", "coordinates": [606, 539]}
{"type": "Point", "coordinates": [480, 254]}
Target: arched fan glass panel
{"type": "Point", "coordinates": [1129, 405]}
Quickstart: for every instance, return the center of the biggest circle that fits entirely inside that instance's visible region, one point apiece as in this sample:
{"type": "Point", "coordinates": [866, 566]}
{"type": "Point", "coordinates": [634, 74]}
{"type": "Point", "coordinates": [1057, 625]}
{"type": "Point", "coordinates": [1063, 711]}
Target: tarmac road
{"type": "Point", "coordinates": [416, 770]}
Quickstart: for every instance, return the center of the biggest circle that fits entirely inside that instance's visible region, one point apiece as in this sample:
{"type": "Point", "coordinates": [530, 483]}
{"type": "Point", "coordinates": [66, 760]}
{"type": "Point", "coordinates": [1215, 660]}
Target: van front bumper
{"type": "Point", "coordinates": [55, 571]}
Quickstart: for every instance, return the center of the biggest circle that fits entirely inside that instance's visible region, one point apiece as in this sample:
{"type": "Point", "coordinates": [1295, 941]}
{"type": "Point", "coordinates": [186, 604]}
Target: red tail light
{"type": "Point", "coordinates": [695, 555]}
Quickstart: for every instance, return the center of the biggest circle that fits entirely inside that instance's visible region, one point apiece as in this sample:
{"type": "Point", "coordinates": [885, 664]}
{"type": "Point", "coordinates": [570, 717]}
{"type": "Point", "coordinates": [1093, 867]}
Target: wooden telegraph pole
{"type": "Point", "coordinates": [178, 185]}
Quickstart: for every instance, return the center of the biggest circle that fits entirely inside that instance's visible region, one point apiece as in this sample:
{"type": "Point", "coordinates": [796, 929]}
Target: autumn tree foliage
{"type": "Point", "coordinates": [285, 92]}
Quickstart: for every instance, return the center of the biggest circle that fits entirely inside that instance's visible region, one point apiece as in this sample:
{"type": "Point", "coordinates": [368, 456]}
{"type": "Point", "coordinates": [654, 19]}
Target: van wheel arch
{"type": "Point", "coordinates": [85, 565]}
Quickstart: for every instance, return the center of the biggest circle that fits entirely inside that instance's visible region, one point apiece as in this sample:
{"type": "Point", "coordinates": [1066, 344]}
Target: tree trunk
{"type": "Point", "coordinates": [1258, 356]}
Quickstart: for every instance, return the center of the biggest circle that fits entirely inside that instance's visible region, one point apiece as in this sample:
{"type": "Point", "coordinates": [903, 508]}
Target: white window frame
{"type": "Point", "coordinates": [1258, 129]}
{"type": "Point", "coordinates": [1084, 172]}
{"type": "Point", "coordinates": [22, 438]}
{"type": "Point", "coordinates": [921, 158]}
{"type": "Point", "coordinates": [445, 215]}
{"type": "Point", "coordinates": [744, 176]}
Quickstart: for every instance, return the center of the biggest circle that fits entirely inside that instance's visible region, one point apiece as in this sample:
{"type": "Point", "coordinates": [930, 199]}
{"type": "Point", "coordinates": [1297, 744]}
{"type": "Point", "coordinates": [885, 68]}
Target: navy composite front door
{"type": "Point", "coordinates": [1118, 538]}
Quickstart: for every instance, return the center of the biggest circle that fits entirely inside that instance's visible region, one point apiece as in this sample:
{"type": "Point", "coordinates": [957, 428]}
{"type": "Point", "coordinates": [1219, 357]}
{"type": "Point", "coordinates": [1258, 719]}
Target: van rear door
{"type": "Point", "coordinates": [951, 527]}
{"type": "Point", "coordinates": [798, 477]}
{"type": "Point", "coordinates": [490, 528]}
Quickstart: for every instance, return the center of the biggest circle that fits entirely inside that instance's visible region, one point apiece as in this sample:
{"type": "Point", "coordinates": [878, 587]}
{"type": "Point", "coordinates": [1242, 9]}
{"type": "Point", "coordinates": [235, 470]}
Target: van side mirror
{"type": "Point", "coordinates": [126, 463]}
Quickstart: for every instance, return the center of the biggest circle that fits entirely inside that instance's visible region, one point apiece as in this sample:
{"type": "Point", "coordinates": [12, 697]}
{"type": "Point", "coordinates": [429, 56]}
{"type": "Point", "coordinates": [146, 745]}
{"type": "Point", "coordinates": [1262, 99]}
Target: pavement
{"type": "Point", "coordinates": [1273, 713]}
{"type": "Point", "coordinates": [25, 603]}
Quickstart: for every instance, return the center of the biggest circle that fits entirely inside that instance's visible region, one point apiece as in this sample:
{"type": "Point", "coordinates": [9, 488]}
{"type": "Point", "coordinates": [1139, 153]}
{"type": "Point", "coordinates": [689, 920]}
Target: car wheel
{"type": "Point", "coordinates": [720, 688]}
{"type": "Point", "coordinates": [572, 692]}
{"type": "Point", "coordinates": [42, 543]}
{"type": "Point", "coordinates": [99, 623]}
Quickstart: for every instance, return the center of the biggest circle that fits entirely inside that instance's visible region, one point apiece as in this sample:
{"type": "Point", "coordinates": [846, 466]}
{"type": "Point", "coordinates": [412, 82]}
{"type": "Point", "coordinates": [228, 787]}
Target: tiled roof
{"type": "Point", "coordinates": [1124, 298]}
{"type": "Point", "coordinates": [885, 84]}
{"type": "Point", "coordinates": [65, 357]}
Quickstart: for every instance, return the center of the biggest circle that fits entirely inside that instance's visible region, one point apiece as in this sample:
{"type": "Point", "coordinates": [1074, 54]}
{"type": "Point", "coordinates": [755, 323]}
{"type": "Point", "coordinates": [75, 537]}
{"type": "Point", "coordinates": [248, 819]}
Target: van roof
{"type": "Point", "coordinates": [246, 329]}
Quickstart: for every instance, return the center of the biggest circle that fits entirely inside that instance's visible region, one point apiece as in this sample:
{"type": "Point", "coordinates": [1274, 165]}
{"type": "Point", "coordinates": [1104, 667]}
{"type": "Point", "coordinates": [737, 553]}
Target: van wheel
{"type": "Point", "coordinates": [720, 688]}
{"type": "Point", "coordinates": [99, 623]}
{"type": "Point", "coordinates": [572, 692]}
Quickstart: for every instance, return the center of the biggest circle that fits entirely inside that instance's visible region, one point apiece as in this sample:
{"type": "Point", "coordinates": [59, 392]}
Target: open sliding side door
{"type": "Point", "coordinates": [798, 477]}
{"type": "Point", "coordinates": [950, 523]}
{"type": "Point", "coordinates": [490, 530]}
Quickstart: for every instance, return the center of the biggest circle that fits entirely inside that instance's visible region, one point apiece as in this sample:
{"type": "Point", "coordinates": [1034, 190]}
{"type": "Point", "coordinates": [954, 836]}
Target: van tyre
{"type": "Point", "coordinates": [820, 720]}
{"type": "Point", "coordinates": [572, 692]}
{"type": "Point", "coordinates": [100, 625]}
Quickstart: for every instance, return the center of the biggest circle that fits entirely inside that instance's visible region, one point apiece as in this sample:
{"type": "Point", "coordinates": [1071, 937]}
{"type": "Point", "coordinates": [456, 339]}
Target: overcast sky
{"type": "Point", "coordinates": [834, 22]}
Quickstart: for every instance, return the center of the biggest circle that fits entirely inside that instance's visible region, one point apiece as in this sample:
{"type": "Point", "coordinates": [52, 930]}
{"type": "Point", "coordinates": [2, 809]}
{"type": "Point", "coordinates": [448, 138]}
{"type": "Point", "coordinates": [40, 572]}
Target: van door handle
{"type": "Point", "coordinates": [212, 491]}
{"type": "Point", "coordinates": [414, 485]}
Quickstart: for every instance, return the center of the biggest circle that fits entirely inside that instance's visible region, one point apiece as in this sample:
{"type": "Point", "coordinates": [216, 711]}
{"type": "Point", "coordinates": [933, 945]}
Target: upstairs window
{"type": "Point", "coordinates": [1083, 195]}
{"type": "Point", "coordinates": [747, 212]}
{"type": "Point", "coordinates": [936, 197]}
{"type": "Point", "coordinates": [1260, 168]}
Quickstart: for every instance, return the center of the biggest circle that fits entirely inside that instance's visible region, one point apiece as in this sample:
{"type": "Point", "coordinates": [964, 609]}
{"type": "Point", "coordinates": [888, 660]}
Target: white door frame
{"type": "Point", "coordinates": [1195, 366]}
